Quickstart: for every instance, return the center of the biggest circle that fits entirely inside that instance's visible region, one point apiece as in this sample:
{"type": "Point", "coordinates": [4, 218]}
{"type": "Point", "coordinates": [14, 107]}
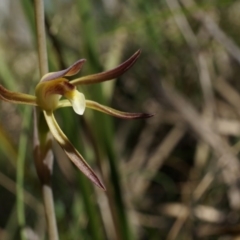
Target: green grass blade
{"type": "Point", "coordinates": [20, 170]}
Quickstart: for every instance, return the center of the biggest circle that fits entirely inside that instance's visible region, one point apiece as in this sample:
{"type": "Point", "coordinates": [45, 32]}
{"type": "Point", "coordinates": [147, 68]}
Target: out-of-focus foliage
{"type": "Point", "coordinates": [175, 176]}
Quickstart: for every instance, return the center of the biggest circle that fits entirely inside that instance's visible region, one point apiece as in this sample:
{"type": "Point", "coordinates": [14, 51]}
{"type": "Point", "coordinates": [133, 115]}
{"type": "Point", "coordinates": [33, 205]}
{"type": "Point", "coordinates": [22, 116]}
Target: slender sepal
{"type": "Point", "coordinates": [108, 75]}
{"type": "Point", "coordinates": [116, 113]}
{"type": "Point", "coordinates": [15, 97]}
{"type": "Point", "coordinates": [110, 111]}
{"type": "Point", "coordinates": [69, 149]}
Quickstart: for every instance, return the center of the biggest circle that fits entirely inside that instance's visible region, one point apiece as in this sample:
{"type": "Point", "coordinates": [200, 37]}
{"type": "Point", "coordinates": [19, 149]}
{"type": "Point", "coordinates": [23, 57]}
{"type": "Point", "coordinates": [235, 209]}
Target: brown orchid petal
{"type": "Point", "coordinates": [108, 75]}
{"type": "Point", "coordinates": [72, 70]}
{"type": "Point", "coordinates": [114, 112]}
{"type": "Point", "coordinates": [69, 149]}
{"type": "Point", "coordinates": [15, 97]}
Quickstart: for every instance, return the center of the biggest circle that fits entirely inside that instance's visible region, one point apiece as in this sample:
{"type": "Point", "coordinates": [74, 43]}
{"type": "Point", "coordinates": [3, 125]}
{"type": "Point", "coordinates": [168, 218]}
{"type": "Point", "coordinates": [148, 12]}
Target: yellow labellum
{"type": "Point", "coordinates": [77, 100]}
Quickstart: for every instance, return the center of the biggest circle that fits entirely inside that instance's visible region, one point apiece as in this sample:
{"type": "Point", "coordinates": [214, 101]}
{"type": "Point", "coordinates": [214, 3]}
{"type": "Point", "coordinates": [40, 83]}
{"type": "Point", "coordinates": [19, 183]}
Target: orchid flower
{"type": "Point", "coordinates": [48, 97]}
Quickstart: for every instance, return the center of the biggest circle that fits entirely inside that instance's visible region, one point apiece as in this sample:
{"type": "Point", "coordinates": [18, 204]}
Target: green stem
{"type": "Point", "coordinates": [44, 166]}
{"type": "Point", "coordinates": [49, 210]}
{"type": "Point", "coordinates": [20, 171]}
{"type": "Point", "coordinates": [41, 36]}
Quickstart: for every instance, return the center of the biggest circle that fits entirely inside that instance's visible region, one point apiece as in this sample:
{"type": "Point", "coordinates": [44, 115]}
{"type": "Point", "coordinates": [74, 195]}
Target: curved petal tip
{"type": "Point", "coordinates": [146, 115]}
{"type": "Point", "coordinates": [110, 74]}
{"type": "Point", "coordinates": [72, 70]}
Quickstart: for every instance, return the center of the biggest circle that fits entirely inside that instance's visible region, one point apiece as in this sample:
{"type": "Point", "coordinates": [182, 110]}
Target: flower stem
{"type": "Point", "coordinates": [50, 214]}
{"type": "Point", "coordinates": [44, 170]}
{"type": "Point", "coordinates": [41, 36]}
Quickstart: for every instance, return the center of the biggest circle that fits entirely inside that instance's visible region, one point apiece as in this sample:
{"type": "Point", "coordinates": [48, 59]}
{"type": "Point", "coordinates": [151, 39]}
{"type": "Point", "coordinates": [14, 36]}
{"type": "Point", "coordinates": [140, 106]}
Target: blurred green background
{"type": "Point", "coordinates": [173, 176]}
